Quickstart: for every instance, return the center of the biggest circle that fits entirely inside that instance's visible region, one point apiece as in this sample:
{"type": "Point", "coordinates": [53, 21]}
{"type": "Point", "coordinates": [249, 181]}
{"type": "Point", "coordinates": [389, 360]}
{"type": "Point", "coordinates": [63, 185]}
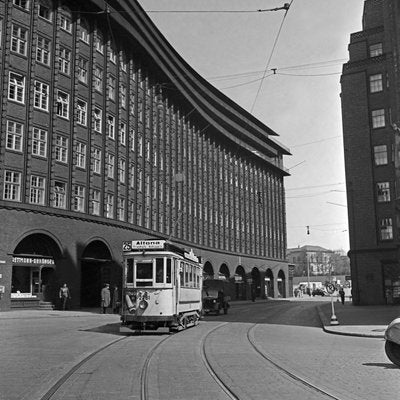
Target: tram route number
{"type": "Point", "coordinates": [126, 246]}
{"type": "Point", "coordinates": [330, 288]}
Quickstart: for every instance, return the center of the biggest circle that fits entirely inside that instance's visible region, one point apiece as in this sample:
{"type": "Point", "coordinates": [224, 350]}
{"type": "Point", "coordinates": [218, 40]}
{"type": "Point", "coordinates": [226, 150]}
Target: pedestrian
{"type": "Point", "coordinates": [65, 296]}
{"type": "Point", "coordinates": [253, 294]}
{"type": "Point", "coordinates": [341, 293]}
{"type": "Point", "coordinates": [105, 298]}
{"type": "Point", "coordinates": [115, 300]}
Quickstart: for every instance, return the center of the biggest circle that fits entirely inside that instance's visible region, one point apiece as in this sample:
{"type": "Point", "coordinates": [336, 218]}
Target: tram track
{"type": "Point", "coordinates": [60, 382]}
{"type": "Point", "coordinates": [225, 378]}
{"type": "Point", "coordinates": [284, 370]}
{"type": "Point", "coordinates": [212, 371]}
{"type": "Point", "coordinates": [144, 374]}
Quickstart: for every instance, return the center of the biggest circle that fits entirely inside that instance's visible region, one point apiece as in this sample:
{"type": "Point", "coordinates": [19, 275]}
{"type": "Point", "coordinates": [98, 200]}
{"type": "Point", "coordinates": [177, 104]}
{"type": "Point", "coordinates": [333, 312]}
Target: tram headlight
{"type": "Point", "coordinates": [143, 304]}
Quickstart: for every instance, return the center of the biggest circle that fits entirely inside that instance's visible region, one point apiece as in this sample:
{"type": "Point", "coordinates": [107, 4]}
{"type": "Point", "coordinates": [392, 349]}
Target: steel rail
{"type": "Point", "coordinates": [228, 391]}
{"type": "Point", "coordinates": [292, 375]}
{"type": "Point", "coordinates": [53, 390]}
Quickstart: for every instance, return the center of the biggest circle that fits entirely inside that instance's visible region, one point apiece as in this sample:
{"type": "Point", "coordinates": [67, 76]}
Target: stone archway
{"type": "Point", "coordinates": [208, 271]}
{"type": "Point", "coordinates": [34, 278]}
{"type": "Point", "coordinates": [269, 283]}
{"type": "Point", "coordinates": [97, 268]}
{"type": "Point", "coordinates": [240, 283]}
{"type": "Point", "coordinates": [281, 284]}
{"type": "Point", "coordinates": [255, 283]}
{"type": "Point", "coordinates": [224, 272]}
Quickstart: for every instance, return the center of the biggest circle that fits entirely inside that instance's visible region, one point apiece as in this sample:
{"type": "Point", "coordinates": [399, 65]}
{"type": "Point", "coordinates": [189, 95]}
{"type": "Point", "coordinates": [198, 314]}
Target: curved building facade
{"type": "Point", "coordinates": [108, 135]}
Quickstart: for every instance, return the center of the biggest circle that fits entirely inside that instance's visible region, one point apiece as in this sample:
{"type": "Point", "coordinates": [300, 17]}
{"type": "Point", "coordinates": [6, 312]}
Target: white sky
{"type": "Point", "coordinates": [304, 110]}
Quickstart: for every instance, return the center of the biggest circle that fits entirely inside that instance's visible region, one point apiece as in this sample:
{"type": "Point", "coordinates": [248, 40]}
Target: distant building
{"type": "Point", "coordinates": [107, 135]}
{"type": "Point", "coordinates": [310, 260]}
{"type": "Point", "coordinates": [371, 128]}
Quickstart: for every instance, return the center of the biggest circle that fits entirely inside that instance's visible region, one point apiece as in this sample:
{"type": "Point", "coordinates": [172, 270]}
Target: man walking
{"type": "Point", "coordinates": [105, 298]}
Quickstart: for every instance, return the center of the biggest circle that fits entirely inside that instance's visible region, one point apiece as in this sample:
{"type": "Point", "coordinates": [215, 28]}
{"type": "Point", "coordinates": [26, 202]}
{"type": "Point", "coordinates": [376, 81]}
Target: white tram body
{"type": "Point", "coordinates": [162, 285]}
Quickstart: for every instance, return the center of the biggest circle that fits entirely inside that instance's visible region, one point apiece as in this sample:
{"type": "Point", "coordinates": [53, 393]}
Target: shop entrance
{"type": "Point", "coordinates": [97, 268]}
{"type": "Point", "coordinates": [255, 283]}
{"type": "Point", "coordinates": [240, 283]}
{"type": "Point", "coordinates": [281, 283]}
{"type": "Point", "coordinates": [34, 263]}
{"type": "Point", "coordinates": [269, 283]}
{"type": "Point", "coordinates": [391, 274]}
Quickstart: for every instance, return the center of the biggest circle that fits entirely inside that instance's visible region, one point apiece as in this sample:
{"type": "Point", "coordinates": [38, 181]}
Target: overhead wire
{"type": "Point", "coordinates": [327, 74]}
{"type": "Point", "coordinates": [317, 186]}
{"type": "Point", "coordinates": [270, 56]}
{"type": "Point", "coordinates": [315, 65]}
{"type": "Point", "coordinates": [284, 7]}
{"type": "Point", "coordinates": [316, 141]}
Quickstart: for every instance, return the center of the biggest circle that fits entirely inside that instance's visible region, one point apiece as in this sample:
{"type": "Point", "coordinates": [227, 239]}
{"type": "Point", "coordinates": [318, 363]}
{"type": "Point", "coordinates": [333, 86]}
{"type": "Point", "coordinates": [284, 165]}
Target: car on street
{"type": "Point", "coordinates": [319, 292]}
{"type": "Point", "coordinates": [215, 298]}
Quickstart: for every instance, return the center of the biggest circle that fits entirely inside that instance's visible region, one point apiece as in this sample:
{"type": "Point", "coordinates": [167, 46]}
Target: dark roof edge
{"type": "Point", "coordinates": [196, 89]}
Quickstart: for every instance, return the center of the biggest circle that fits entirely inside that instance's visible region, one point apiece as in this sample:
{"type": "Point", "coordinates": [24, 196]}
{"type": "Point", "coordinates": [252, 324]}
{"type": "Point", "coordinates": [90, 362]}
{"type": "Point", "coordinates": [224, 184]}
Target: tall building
{"type": "Point", "coordinates": [107, 135]}
{"type": "Point", "coordinates": [371, 127]}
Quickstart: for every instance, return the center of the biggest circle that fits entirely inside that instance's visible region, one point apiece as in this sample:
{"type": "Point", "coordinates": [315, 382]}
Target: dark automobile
{"type": "Point", "coordinates": [318, 292]}
{"type": "Point", "coordinates": [215, 299]}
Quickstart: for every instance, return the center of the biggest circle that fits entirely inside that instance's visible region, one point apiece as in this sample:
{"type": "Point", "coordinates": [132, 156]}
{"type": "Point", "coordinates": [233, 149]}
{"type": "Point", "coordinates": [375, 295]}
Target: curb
{"type": "Point", "coordinates": [326, 328]}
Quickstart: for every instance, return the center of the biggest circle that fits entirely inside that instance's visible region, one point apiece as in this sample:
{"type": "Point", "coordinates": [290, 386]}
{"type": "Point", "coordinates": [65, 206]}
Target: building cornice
{"type": "Point", "coordinates": [214, 107]}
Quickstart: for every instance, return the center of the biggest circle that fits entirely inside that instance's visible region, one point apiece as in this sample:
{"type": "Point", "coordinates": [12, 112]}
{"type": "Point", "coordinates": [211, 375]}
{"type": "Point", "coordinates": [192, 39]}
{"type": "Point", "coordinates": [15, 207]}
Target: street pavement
{"type": "Point", "coordinates": [365, 321]}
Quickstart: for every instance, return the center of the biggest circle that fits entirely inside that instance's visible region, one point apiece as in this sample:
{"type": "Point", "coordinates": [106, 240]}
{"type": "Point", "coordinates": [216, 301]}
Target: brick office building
{"type": "Point", "coordinates": [108, 135]}
{"type": "Point", "coordinates": [371, 115]}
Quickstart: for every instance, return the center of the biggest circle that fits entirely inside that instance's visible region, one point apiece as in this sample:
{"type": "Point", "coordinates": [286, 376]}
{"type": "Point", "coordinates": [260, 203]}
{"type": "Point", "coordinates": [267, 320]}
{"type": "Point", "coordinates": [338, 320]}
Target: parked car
{"type": "Point", "coordinates": [215, 299]}
{"type": "Point", "coordinates": [319, 292]}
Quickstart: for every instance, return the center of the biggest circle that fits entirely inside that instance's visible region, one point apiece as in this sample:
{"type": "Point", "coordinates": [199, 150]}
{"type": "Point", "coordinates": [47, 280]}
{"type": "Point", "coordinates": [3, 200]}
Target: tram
{"type": "Point", "coordinates": [162, 285]}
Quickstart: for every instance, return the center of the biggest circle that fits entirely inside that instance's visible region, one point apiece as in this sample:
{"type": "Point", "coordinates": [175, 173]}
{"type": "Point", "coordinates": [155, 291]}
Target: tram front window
{"type": "Point", "coordinates": [159, 270]}
{"type": "Point", "coordinates": [144, 274]}
{"type": "Point", "coordinates": [129, 273]}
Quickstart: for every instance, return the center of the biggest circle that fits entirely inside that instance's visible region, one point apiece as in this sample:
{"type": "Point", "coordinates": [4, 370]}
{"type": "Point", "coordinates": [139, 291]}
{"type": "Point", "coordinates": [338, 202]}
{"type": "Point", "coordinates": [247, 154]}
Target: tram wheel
{"type": "Point", "coordinates": [393, 352]}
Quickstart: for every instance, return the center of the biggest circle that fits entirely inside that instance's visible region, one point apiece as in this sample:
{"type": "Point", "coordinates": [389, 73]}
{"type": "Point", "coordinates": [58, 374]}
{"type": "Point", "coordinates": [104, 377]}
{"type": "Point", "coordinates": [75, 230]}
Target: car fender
{"type": "Point", "coordinates": [392, 332]}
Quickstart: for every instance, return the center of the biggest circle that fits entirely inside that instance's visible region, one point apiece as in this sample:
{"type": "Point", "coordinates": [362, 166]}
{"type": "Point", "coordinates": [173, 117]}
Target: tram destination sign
{"type": "Point", "coordinates": [143, 245]}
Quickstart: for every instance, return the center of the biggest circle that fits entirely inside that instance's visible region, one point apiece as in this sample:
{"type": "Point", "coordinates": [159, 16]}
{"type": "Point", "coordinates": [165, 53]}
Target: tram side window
{"type": "Point", "coordinates": [129, 272]}
{"type": "Point", "coordinates": [159, 270]}
{"type": "Point", "coordinates": [144, 274]}
{"type": "Point", "coordinates": [181, 274]}
{"type": "Point", "coordinates": [187, 275]}
{"type": "Point", "coordinates": [191, 280]}
{"type": "Point", "coordinates": [169, 270]}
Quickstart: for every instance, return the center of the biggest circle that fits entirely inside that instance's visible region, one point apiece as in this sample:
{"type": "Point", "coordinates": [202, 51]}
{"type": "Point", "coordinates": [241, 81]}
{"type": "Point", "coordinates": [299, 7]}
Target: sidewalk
{"type": "Point", "coordinates": [365, 321]}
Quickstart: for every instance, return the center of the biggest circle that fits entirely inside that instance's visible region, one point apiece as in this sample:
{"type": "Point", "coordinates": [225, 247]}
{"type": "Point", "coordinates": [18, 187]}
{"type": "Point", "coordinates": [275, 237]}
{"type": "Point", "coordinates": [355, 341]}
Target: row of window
{"type": "Point", "coordinates": [380, 152]}
{"type": "Point", "coordinates": [61, 144]}
{"type": "Point", "coordinates": [58, 198]}
{"type": "Point", "coordinates": [41, 95]}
